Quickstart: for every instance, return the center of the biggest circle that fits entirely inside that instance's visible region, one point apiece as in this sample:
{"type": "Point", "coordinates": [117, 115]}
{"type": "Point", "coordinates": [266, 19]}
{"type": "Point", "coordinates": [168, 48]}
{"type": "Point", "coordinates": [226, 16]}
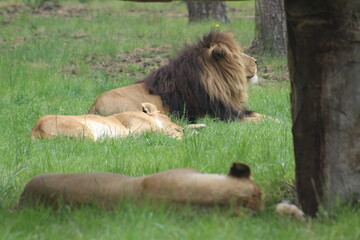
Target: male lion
{"type": "Point", "coordinates": [96, 127]}
{"type": "Point", "coordinates": [208, 77]}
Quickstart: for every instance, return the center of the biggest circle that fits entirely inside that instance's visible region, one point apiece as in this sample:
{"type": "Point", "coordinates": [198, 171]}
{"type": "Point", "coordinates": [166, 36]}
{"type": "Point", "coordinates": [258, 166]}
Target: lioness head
{"type": "Point", "coordinates": [242, 172]}
{"type": "Point", "coordinates": [163, 122]}
{"type": "Point", "coordinates": [250, 69]}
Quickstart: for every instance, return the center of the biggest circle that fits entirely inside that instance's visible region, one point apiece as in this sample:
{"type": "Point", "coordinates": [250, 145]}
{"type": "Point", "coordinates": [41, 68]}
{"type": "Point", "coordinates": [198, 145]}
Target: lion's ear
{"type": "Point", "coordinates": [218, 51]}
{"type": "Point", "coordinates": [240, 170]}
{"type": "Point", "coordinates": [149, 108]}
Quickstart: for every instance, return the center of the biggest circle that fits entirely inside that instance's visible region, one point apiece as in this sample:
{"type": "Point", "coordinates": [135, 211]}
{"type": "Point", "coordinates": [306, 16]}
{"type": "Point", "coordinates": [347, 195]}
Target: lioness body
{"type": "Point", "coordinates": [173, 186]}
{"type": "Point", "coordinates": [209, 77]}
{"type": "Point", "coordinates": [96, 127]}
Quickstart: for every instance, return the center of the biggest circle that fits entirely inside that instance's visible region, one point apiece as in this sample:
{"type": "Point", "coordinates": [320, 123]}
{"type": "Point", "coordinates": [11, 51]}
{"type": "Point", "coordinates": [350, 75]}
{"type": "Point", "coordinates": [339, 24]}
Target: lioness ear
{"type": "Point", "coordinates": [149, 108]}
{"type": "Point", "coordinates": [240, 170]}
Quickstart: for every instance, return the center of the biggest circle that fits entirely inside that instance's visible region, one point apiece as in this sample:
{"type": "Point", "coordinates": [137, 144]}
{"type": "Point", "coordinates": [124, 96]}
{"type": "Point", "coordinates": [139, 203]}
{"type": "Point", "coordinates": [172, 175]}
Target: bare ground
{"type": "Point", "coordinates": [132, 64]}
{"type": "Point", "coordinates": [45, 9]}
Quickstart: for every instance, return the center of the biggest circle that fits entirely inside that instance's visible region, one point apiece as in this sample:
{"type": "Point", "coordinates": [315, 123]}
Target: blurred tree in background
{"type": "Point", "coordinates": [270, 27]}
{"type": "Point", "coordinates": [202, 10]}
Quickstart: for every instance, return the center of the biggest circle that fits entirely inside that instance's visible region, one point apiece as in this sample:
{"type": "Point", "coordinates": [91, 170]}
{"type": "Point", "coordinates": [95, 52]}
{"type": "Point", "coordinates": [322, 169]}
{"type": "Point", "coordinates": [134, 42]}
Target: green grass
{"type": "Point", "coordinates": [36, 52]}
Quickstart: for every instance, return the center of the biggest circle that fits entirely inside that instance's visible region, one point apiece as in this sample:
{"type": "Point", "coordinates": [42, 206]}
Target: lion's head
{"type": "Point", "coordinates": [208, 77]}
{"type": "Point", "coordinates": [250, 69]}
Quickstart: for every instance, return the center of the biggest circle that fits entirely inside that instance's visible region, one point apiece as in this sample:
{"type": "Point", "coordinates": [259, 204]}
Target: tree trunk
{"type": "Point", "coordinates": [270, 27]}
{"type": "Point", "coordinates": [324, 64]}
{"type": "Point", "coordinates": [202, 10]}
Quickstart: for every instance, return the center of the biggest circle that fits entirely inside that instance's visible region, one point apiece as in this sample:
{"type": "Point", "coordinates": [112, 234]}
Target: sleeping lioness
{"type": "Point", "coordinates": [182, 185]}
{"type": "Point", "coordinates": [96, 127]}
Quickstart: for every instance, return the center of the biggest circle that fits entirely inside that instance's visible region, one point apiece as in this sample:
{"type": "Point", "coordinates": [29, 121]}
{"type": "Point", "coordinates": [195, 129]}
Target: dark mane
{"type": "Point", "coordinates": [184, 82]}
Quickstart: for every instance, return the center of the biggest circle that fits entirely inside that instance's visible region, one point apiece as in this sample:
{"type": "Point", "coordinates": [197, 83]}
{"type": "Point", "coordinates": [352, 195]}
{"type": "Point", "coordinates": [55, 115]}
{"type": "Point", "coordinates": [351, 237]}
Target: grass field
{"type": "Point", "coordinates": [57, 60]}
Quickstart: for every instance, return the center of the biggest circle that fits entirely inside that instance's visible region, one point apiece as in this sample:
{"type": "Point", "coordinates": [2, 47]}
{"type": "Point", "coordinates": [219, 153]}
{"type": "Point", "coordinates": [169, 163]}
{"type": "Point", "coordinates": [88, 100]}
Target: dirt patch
{"type": "Point", "coordinates": [45, 9]}
{"type": "Point", "coordinates": [239, 13]}
{"type": "Point", "coordinates": [9, 10]}
{"type": "Point", "coordinates": [80, 35]}
{"type": "Point", "coordinates": [134, 64]}
{"type": "Point", "coordinates": [148, 11]}
{"type": "Point", "coordinates": [269, 74]}
{"type": "Point", "coordinates": [19, 41]}
{"type": "Point", "coordinates": [57, 9]}
{"type": "Point", "coordinates": [176, 15]}
{"type": "Point", "coordinates": [70, 69]}
{"type": "Point", "coordinates": [140, 62]}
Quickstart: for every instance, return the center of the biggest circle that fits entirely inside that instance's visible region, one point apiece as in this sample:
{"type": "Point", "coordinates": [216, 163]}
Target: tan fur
{"type": "Point", "coordinates": [125, 99]}
{"type": "Point", "coordinates": [173, 186]}
{"type": "Point", "coordinates": [291, 210]}
{"type": "Point", "coordinates": [226, 78]}
{"type": "Point", "coordinates": [97, 127]}
{"type": "Point", "coordinates": [250, 69]}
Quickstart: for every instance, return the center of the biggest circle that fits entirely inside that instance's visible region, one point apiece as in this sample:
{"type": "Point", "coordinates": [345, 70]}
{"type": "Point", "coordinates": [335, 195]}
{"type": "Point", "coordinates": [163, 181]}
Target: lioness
{"type": "Point", "coordinates": [179, 186]}
{"type": "Point", "coordinates": [185, 185]}
{"type": "Point", "coordinates": [96, 127]}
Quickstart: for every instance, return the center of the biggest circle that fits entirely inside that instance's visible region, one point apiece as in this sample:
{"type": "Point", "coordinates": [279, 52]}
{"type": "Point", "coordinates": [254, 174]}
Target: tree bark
{"type": "Point", "coordinates": [202, 10]}
{"type": "Point", "coordinates": [270, 27]}
{"type": "Point", "coordinates": [324, 64]}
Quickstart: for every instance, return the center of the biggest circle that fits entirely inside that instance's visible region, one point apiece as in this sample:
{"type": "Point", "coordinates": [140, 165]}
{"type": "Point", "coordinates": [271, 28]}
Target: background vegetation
{"type": "Point", "coordinates": [55, 58]}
